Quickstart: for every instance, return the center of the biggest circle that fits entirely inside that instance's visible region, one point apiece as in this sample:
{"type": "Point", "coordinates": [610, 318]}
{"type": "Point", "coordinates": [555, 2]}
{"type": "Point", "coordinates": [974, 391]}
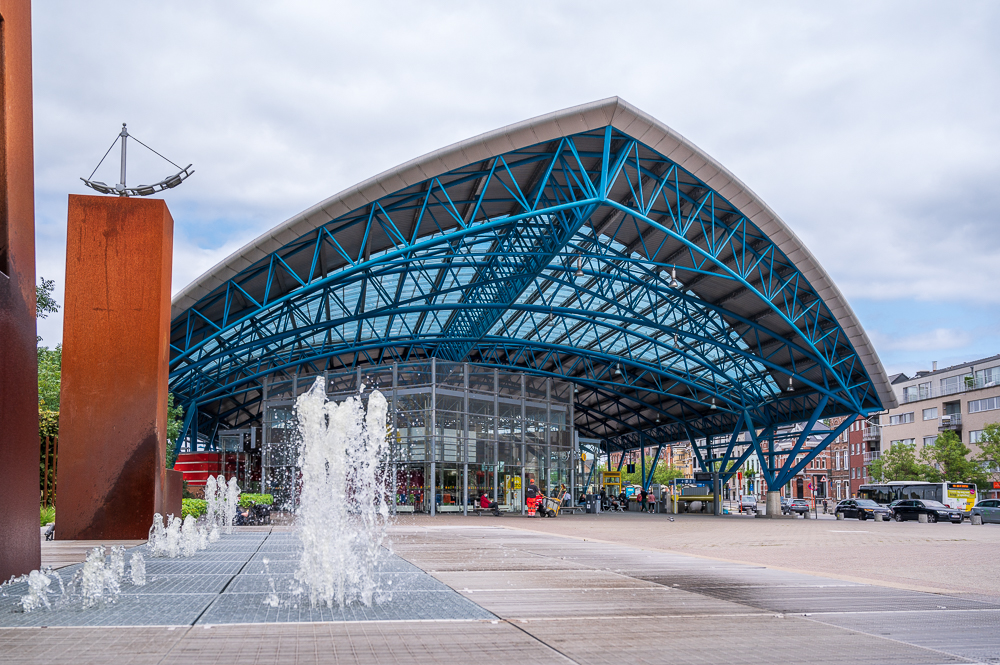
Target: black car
{"type": "Point", "coordinates": [862, 509]}
{"type": "Point", "coordinates": [935, 511]}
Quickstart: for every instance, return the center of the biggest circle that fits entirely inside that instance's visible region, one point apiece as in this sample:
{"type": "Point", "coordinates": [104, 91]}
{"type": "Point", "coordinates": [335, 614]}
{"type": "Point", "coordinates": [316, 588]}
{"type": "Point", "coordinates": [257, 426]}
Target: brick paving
{"type": "Point", "coordinates": [581, 589]}
{"type": "Point", "coordinates": [934, 557]}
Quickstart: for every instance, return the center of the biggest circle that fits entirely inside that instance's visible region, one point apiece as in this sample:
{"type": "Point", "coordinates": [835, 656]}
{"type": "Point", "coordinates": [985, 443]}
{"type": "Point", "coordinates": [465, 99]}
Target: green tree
{"type": "Point", "coordinates": [662, 475]}
{"type": "Point", "coordinates": [175, 421]}
{"type": "Point", "coordinates": [897, 463]}
{"type": "Point", "coordinates": [49, 376]}
{"type": "Point", "coordinates": [989, 444]}
{"type": "Point", "coordinates": [947, 459]}
{"type": "Point", "coordinates": [45, 304]}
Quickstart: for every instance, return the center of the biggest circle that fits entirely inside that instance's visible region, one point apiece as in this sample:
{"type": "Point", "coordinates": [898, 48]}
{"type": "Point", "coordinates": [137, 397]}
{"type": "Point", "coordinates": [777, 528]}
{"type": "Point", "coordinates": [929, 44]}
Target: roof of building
{"type": "Point", "coordinates": [922, 374]}
{"type": "Point", "coordinates": [756, 312]}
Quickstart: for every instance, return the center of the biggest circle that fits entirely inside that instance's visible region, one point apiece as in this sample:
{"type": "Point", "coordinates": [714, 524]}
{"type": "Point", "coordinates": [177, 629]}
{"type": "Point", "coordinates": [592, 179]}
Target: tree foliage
{"type": "Point", "coordinates": [49, 376]}
{"type": "Point", "coordinates": [45, 304]}
{"type": "Point", "coordinates": [947, 459]}
{"type": "Point", "coordinates": [175, 421]}
{"type": "Point", "coordinates": [897, 463]}
{"type": "Point", "coordinates": [662, 475]}
{"type": "Point", "coordinates": [989, 444]}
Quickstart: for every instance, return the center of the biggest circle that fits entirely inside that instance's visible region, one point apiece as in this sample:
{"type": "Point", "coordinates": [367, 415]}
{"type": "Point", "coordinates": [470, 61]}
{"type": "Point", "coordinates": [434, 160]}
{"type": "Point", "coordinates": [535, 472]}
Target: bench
{"type": "Point", "coordinates": [571, 509]}
{"type": "Point", "coordinates": [449, 508]}
{"type": "Point", "coordinates": [404, 509]}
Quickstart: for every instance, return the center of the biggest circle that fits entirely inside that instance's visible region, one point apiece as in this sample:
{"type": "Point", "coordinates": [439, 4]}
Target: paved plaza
{"type": "Point", "coordinates": [576, 589]}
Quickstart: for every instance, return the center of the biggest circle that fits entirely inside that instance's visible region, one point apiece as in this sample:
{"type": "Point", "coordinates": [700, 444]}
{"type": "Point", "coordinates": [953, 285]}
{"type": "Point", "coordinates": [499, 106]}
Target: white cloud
{"type": "Point", "coordinates": [938, 339]}
{"type": "Point", "coordinates": [868, 127]}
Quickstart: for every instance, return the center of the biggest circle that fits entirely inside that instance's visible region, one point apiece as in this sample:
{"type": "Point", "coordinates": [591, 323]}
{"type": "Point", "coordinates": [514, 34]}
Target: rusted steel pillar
{"type": "Point", "coordinates": [20, 549]}
{"type": "Point", "coordinates": [113, 403]}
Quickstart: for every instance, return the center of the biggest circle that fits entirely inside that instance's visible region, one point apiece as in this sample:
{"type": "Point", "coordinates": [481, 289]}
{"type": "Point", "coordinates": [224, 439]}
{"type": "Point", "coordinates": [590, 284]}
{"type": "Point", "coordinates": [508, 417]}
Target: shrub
{"type": "Point", "coordinates": [251, 499]}
{"type": "Point", "coordinates": [48, 514]}
{"type": "Point", "coordinates": [193, 507]}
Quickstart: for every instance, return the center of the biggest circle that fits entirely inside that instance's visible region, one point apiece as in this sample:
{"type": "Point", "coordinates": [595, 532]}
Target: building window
{"type": "Point", "coordinates": [975, 436]}
{"type": "Point", "coordinates": [901, 419]}
{"type": "Point", "coordinates": [907, 442]}
{"type": "Point", "coordinates": [929, 440]}
{"type": "Point", "coordinates": [930, 414]}
{"type": "Point", "coordinates": [987, 377]}
{"type": "Point", "coordinates": [989, 404]}
{"type": "Point", "coordinates": [954, 384]}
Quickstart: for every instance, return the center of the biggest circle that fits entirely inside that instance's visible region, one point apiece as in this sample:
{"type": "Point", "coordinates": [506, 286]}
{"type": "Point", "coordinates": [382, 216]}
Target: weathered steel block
{"type": "Point", "coordinates": [113, 418]}
{"type": "Point", "coordinates": [20, 548]}
{"type": "Point", "coordinates": [174, 494]}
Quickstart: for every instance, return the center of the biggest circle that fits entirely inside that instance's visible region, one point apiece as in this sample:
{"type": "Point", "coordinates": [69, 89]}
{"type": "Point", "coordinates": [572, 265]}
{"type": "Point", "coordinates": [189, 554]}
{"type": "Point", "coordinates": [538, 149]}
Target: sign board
{"type": "Point", "coordinates": [703, 476]}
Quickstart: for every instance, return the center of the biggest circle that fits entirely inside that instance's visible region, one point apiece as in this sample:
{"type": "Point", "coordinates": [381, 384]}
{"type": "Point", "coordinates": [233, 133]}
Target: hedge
{"type": "Point", "coordinates": [48, 514]}
{"type": "Point", "coordinates": [193, 507]}
{"type": "Point", "coordinates": [251, 499]}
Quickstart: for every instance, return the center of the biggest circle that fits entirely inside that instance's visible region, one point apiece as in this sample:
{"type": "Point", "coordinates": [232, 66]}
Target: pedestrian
{"type": "Point", "coordinates": [642, 500]}
{"type": "Point", "coordinates": [824, 507]}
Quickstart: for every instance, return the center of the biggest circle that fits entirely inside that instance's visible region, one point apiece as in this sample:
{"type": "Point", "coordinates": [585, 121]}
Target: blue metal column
{"type": "Point", "coordinates": [433, 436]}
{"type": "Point", "coordinates": [465, 439]}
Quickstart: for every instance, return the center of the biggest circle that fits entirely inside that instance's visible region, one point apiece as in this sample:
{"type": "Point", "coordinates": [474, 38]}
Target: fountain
{"type": "Point", "coordinates": [341, 522]}
{"type": "Point", "coordinates": [343, 511]}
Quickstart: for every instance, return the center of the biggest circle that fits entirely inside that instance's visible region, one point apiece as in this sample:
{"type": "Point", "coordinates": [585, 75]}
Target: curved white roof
{"type": "Point", "coordinates": [586, 117]}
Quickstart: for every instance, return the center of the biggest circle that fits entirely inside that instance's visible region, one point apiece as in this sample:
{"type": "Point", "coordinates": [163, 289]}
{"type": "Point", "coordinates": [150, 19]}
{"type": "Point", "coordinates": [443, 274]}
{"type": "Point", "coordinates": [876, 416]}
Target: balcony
{"type": "Point", "coordinates": [872, 433]}
{"type": "Point", "coordinates": [916, 393]}
{"type": "Point", "coordinates": [871, 456]}
{"type": "Point", "coordinates": [950, 421]}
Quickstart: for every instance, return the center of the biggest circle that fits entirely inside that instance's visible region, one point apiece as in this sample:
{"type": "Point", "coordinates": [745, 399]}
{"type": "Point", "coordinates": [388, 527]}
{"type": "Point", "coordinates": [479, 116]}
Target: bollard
{"type": "Point", "coordinates": [879, 517]}
{"type": "Point", "coordinates": [922, 518]}
{"type": "Point", "coordinates": [977, 519]}
{"type": "Point", "coordinates": [840, 516]}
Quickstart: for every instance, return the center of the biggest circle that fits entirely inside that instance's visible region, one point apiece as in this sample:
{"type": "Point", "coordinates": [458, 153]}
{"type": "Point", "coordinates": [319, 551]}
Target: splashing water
{"type": "Point", "coordinates": [343, 513]}
{"type": "Point", "coordinates": [137, 566]}
{"type": "Point", "coordinates": [157, 537]}
{"type": "Point", "coordinates": [189, 536]}
{"type": "Point", "coordinates": [92, 586]}
{"type": "Point", "coordinates": [172, 546]}
{"type": "Point", "coordinates": [212, 516]}
{"type": "Point", "coordinates": [114, 572]}
{"type": "Point", "coordinates": [232, 502]}
{"type": "Point", "coordinates": [38, 587]}
{"type": "Point", "coordinates": [202, 538]}
{"type": "Point", "coordinates": [213, 535]}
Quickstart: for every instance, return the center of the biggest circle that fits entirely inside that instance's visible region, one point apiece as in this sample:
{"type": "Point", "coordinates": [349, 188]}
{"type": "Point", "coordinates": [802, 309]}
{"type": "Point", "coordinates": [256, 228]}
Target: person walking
{"type": "Point", "coordinates": [642, 500]}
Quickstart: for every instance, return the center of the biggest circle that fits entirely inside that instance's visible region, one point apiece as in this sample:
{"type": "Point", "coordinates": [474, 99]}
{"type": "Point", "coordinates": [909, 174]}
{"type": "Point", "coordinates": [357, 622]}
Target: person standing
{"type": "Point", "coordinates": [642, 500]}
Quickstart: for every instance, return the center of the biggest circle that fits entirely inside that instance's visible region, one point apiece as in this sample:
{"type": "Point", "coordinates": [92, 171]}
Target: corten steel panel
{"type": "Point", "coordinates": [112, 424]}
{"type": "Point", "coordinates": [20, 547]}
{"type": "Point", "coordinates": [173, 493]}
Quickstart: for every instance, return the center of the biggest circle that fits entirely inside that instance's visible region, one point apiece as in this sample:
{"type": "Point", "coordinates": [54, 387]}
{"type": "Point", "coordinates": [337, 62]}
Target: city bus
{"type": "Point", "coordinates": [961, 496]}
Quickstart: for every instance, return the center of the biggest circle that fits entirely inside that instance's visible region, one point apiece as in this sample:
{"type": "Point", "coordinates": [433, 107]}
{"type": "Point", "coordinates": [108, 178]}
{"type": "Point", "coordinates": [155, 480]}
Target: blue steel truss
{"type": "Point", "coordinates": [591, 258]}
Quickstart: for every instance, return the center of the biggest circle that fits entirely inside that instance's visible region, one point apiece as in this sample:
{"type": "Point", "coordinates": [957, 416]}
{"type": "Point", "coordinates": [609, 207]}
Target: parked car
{"type": "Point", "coordinates": [862, 509]}
{"type": "Point", "coordinates": [989, 510]}
{"type": "Point", "coordinates": [786, 506]}
{"type": "Point", "coordinates": [748, 503]}
{"type": "Point", "coordinates": [800, 506]}
{"type": "Point", "coordinates": [935, 510]}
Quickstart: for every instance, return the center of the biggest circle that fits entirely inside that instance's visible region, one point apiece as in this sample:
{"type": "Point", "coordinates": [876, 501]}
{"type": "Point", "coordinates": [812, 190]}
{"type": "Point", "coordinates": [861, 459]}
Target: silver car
{"type": "Point", "coordinates": [989, 510]}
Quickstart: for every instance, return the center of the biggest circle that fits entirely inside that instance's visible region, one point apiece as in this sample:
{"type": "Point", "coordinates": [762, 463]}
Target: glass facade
{"type": "Point", "coordinates": [458, 431]}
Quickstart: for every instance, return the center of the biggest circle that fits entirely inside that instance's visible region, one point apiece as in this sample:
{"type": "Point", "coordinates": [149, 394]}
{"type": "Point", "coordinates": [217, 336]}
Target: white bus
{"type": "Point", "coordinates": [961, 496]}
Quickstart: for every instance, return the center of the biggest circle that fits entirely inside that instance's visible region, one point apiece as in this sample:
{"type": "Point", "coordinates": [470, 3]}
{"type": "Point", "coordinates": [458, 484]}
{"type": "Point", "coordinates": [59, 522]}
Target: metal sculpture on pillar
{"type": "Point", "coordinates": [113, 419]}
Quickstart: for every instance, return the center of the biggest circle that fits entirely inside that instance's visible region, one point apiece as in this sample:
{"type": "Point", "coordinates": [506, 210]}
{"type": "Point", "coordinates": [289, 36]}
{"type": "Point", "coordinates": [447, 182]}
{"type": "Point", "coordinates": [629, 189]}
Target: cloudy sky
{"type": "Point", "coordinates": [871, 128]}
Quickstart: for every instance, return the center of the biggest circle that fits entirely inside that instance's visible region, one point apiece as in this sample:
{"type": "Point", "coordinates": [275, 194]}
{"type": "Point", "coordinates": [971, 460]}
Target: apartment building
{"type": "Point", "coordinates": [962, 398]}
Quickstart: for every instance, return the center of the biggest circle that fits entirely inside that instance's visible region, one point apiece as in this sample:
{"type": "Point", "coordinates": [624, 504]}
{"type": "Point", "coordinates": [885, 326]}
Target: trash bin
{"type": "Point", "coordinates": [590, 506]}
